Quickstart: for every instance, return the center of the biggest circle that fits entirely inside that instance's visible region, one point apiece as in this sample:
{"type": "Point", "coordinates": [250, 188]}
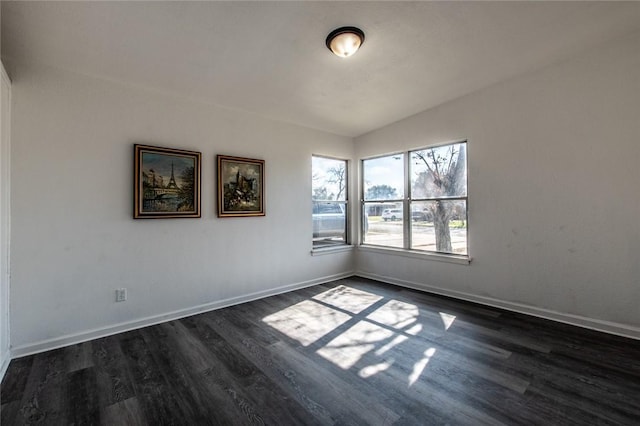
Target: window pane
{"type": "Point", "coordinates": [383, 224]}
{"type": "Point", "coordinates": [329, 195]}
{"type": "Point", "coordinates": [439, 226]}
{"type": "Point", "coordinates": [439, 172]}
{"type": "Point", "coordinates": [384, 178]}
{"type": "Point", "coordinates": [329, 223]}
{"type": "Point", "coordinates": [329, 179]}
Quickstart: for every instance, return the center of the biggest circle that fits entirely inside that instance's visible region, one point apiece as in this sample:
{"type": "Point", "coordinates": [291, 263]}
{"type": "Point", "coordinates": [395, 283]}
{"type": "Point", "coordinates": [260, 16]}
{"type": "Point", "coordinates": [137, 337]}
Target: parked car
{"type": "Point", "coordinates": [396, 214]}
{"type": "Point", "coordinates": [418, 216]}
{"type": "Point", "coordinates": [328, 219]}
{"type": "Point", "coordinates": [392, 214]}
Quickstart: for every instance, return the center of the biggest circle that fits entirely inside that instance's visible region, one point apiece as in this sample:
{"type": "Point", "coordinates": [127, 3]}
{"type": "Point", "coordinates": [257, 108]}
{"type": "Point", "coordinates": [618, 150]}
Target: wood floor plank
{"type": "Point", "coordinates": [456, 307]}
{"type": "Point", "coordinates": [10, 413]}
{"type": "Point", "coordinates": [505, 340]}
{"type": "Point", "coordinates": [124, 413]}
{"type": "Point", "coordinates": [78, 357]}
{"type": "Point", "coordinates": [349, 352]}
{"type": "Point", "coordinates": [156, 398]}
{"type": "Point", "coordinates": [44, 401]}
{"type": "Point", "coordinates": [178, 374]}
{"type": "Point", "coordinates": [15, 379]}
{"type": "Point", "coordinates": [112, 376]}
{"type": "Point", "coordinates": [588, 392]}
{"type": "Point", "coordinates": [560, 412]}
{"type": "Point", "coordinates": [83, 398]}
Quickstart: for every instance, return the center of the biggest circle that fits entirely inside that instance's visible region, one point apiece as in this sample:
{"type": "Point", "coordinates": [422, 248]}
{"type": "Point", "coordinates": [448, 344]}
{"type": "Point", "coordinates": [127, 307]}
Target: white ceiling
{"type": "Point", "coordinates": [270, 58]}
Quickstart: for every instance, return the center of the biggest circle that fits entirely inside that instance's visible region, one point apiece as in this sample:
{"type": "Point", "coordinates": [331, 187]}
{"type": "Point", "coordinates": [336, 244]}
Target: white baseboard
{"type": "Point", "coordinates": [580, 321]}
{"type": "Point", "coordinates": [84, 336]}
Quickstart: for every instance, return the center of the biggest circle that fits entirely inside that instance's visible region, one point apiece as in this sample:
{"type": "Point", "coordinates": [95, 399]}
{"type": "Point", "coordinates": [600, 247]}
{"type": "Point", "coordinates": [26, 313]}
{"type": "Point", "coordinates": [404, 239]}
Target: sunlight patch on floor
{"type": "Point", "coordinates": [349, 347]}
{"type": "Point", "coordinates": [395, 342]}
{"type": "Point", "coordinates": [447, 319]}
{"type": "Point", "coordinates": [372, 370]}
{"type": "Point", "coordinates": [306, 321]}
{"type": "Point", "coordinates": [414, 330]}
{"type": "Point", "coordinates": [419, 366]}
{"type": "Point", "coordinates": [348, 299]}
{"type": "Point", "coordinates": [395, 314]}
{"type": "Point", "coordinates": [365, 338]}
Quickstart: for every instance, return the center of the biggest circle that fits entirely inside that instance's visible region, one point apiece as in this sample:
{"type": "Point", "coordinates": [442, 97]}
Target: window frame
{"type": "Point", "coordinates": [407, 202]}
{"type": "Point", "coordinates": [346, 243]}
{"type": "Point", "coordinates": [363, 201]}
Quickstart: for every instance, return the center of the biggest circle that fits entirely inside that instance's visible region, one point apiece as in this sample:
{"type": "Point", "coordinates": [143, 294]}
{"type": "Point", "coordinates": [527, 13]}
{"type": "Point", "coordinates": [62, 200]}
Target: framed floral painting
{"type": "Point", "coordinates": [240, 186]}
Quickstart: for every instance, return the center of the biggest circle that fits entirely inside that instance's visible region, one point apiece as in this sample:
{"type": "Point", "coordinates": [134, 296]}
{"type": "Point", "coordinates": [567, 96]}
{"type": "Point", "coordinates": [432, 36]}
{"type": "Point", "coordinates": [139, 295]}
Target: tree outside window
{"type": "Point", "coordinates": [438, 179]}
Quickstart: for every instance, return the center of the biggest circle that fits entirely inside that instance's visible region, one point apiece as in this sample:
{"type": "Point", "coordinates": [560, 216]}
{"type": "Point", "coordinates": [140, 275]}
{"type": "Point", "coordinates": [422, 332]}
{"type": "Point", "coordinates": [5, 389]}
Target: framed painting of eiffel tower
{"type": "Point", "coordinates": [167, 182]}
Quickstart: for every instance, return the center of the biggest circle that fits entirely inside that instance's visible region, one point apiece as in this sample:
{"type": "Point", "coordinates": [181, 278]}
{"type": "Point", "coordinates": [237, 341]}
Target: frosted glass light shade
{"type": "Point", "coordinates": [345, 41]}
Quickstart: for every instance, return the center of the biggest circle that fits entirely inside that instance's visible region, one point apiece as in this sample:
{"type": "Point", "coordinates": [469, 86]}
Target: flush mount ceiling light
{"type": "Point", "coordinates": [345, 41]}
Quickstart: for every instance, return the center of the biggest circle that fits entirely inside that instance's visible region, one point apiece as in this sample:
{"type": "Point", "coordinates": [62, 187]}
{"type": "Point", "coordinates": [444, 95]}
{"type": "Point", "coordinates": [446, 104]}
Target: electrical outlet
{"type": "Point", "coordinates": [121, 294]}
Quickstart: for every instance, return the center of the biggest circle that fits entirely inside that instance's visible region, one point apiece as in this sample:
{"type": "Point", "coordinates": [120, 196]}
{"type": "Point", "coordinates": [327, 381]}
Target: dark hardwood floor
{"type": "Point", "coordinates": [352, 352]}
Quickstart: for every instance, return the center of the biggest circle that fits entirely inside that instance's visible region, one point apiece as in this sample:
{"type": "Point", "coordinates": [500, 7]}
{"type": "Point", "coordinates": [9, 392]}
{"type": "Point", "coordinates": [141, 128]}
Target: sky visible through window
{"type": "Point", "coordinates": [329, 179]}
{"type": "Point", "coordinates": [385, 171]}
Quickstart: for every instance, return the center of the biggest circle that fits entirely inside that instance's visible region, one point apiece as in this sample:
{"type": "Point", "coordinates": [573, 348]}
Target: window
{"type": "Point", "coordinates": [329, 200]}
{"type": "Point", "coordinates": [417, 200]}
{"type": "Point", "coordinates": [383, 200]}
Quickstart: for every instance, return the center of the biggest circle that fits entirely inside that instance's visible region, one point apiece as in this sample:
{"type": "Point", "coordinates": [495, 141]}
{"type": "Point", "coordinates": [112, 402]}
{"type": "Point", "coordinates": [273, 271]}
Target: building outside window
{"type": "Point", "coordinates": [417, 200]}
{"type": "Point", "coordinates": [329, 202]}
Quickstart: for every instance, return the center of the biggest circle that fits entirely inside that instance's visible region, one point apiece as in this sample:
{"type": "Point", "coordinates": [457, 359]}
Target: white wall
{"type": "Point", "coordinates": [5, 121]}
{"type": "Point", "coordinates": [73, 237]}
{"type": "Point", "coordinates": [553, 191]}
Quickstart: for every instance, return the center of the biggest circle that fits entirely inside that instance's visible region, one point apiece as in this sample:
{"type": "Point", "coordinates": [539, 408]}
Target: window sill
{"type": "Point", "coordinates": [320, 251]}
{"type": "Point", "coordinates": [439, 257]}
